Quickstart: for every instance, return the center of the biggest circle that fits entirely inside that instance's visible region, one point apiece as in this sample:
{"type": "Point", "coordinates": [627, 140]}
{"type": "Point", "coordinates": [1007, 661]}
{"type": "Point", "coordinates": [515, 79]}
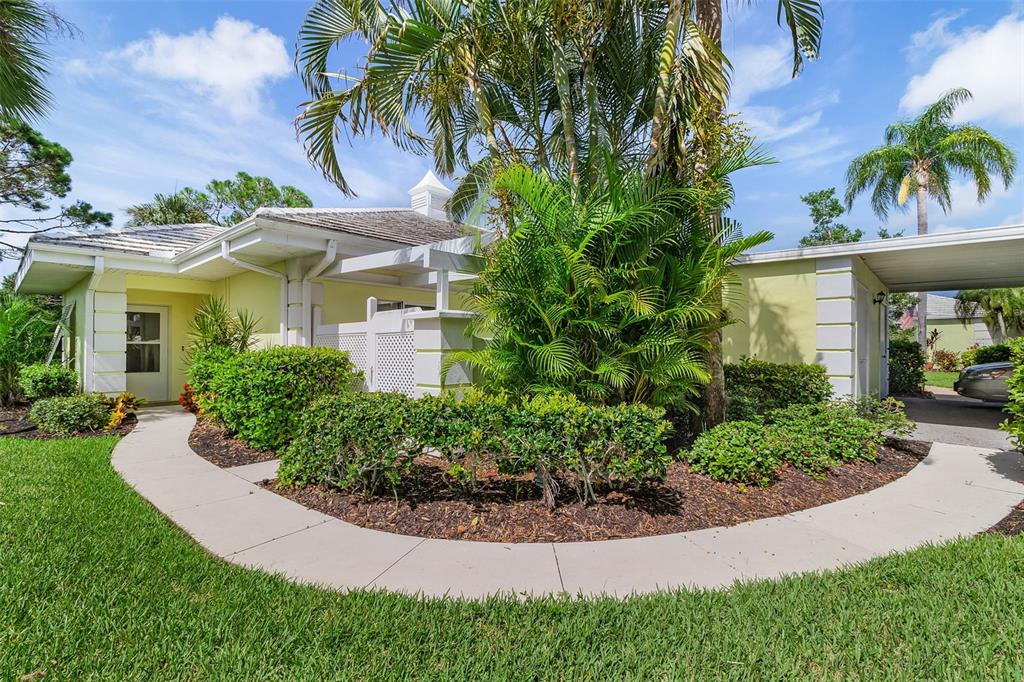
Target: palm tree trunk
{"type": "Point", "coordinates": [922, 228]}
{"type": "Point", "coordinates": [667, 61]}
{"type": "Point", "coordinates": [561, 70]}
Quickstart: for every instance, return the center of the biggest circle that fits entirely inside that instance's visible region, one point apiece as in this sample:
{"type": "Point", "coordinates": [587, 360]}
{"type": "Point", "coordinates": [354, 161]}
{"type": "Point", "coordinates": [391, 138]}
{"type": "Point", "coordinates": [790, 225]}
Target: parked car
{"type": "Point", "coordinates": [985, 382]}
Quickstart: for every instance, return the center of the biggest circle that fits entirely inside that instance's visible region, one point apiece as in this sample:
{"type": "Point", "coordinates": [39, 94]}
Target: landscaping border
{"type": "Point", "coordinates": [956, 491]}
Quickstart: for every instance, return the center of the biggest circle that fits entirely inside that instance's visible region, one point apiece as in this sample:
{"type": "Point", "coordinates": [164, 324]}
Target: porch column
{"type": "Point", "coordinates": [437, 333]}
{"type": "Point", "coordinates": [835, 329]}
{"type": "Point", "coordinates": [294, 326]}
{"type": "Point", "coordinates": [105, 339]}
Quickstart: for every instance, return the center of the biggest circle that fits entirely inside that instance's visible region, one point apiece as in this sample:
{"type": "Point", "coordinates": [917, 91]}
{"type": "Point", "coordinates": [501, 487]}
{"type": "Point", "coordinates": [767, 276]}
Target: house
{"type": "Point", "coordinates": [954, 335]}
{"type": "Point", "coordinates": [379, 283]}
{"type": "Point", "coordinates": [827, 304]}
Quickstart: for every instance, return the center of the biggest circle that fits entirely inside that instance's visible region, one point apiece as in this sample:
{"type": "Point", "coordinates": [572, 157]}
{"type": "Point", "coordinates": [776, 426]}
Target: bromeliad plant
{"type": "Point", "coordinates": [610, 296]}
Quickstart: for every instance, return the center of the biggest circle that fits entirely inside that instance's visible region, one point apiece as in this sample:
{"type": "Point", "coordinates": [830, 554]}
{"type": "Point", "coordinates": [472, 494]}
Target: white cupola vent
{"type": "Point", "coordinates": [429, 196]}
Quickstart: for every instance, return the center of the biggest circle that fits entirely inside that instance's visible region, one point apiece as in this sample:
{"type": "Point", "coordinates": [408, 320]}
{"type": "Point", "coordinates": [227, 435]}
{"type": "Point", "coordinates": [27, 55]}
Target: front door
{"type": "Point", "coordinates": [146, 352]}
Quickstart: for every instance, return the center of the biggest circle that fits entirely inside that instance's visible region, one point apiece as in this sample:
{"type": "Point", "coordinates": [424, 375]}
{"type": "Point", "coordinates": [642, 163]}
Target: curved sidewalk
{"type": "Point", "coordinates": [955, 491]}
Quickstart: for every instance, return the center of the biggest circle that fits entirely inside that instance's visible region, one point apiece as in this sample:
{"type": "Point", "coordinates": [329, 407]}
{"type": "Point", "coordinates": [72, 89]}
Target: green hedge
{"type": "Point", "coordinates": [366, 441]}
{"type": "Point", "coordinates": [754, 387]}
{"type": "Point", "coordinates": [1014, 424]}
{"type": "Point", "coordinates": [260, 394]}
{"type": "Point", "coordinates": [999, 352]}
{"type": "Point", "coordinates": [906, 366]}
{"type": "Point", "coordinates": [47, 381]}
{"type": "Point", "coordinates": [66, 415]}
{"type": "Point", "coordinates": [813, 438]}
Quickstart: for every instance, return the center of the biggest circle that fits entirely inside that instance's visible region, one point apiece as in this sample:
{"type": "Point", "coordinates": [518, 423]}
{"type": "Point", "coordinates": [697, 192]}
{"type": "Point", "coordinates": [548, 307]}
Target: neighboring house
{"type": "Point", "coordinates": [375, 282]}
{"type": "Point", "coordinates": [827, 304]}
{"type": "Point", "coordinates": [955, 335]}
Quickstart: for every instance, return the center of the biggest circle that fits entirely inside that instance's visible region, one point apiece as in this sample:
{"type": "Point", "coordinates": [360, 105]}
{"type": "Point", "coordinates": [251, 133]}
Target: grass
{"type": "Point", "coordinates": [94, 583]}
{"type": "Point", "coordinates": [941, 379]}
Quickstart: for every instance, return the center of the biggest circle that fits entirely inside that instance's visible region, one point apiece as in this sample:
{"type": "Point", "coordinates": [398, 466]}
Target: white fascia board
{"type": "Point", "coordinates": [347, 243]}
{"type": "Point", "coordinates": [963, 237]}
{"type": "Point", "coordinates": [410, 255]}
{"type": "Point", "coordinates": [84, 257]}
{"type": "Point", "coordinates": [455, 262]}
{"type": "Point", "coordinates": [213, 243]}
{"type": "Point", "coordinates": [278, 238]}
{"type": "Point", "coordinates": [428, 280]}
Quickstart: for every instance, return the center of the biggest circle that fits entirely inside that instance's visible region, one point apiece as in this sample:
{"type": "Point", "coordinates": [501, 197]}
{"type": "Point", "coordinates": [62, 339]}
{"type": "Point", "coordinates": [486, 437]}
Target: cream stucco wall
{"type": "Point", "coordinates": [260, 295]}
{"type": "Point", "coordinates": [774, 309]}
{"type": "Point", "coordinates": [953, 335]}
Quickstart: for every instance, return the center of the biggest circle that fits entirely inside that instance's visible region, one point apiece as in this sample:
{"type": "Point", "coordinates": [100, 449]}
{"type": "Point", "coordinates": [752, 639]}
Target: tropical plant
{"type": "Point", "coordinates": [553, 85]}
{"type": "Point", "coordinates": [215, 326]}
{"type": "Point", "coordinates": [606, 295]}
{"type": "Point", "coordinates": [825, 209]}
{"type": "Point", "coordinates": [920, 158]}
{"type": "Point", "coordinates": [25, 334]}
{"type": "Point", "coordinates": [33, 172]}
{"type": "Point", "coordinates": [1002, 310]}
{"type": "Point", "coordinates": [25, 26]}
{"type": "Point", "coordinates": [224, 202]}
{"type": "Point", "coordinates": [1014, 423]}
{"type": "Point", "coordinates": [66, 415]}
{"type": "Point", "coordinates": [41, 380]}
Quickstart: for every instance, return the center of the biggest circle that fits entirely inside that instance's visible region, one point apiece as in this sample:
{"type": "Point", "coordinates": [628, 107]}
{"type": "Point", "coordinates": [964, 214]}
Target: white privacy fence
{"type": "Point", "coordinates": [383, 347]}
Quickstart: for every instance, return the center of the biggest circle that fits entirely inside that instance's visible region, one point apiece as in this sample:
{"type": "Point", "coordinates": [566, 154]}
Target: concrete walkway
{"type": "Point", "coordinates": [955, 491]}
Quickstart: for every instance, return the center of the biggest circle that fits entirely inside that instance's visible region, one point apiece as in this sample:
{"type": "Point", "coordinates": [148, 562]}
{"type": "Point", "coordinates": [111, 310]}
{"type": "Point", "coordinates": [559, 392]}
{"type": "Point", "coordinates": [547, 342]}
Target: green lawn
{"type": "Point", "coordinates": [94, 583]}
{"type": "Point", "coordinates": [941, 379]}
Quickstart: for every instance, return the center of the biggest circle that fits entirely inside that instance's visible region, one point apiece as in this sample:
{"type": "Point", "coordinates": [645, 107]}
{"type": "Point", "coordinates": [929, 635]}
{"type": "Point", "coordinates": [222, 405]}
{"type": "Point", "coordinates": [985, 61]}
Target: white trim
{"type": "Point", "coordinates": [981, 236]}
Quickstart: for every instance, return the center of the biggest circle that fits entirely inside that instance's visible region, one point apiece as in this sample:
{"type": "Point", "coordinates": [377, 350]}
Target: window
{"type": "Point", "coordinates": [143, 350]}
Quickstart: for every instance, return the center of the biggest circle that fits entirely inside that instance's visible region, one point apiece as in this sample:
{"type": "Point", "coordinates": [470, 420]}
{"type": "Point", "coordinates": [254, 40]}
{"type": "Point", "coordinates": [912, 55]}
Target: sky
{"type": "Point", "coordinates": [155, 96]}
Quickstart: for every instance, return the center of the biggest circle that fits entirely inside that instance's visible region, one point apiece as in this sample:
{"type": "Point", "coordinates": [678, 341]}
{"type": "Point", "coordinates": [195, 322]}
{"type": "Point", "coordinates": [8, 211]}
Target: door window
{"type": "Point", "coordinates": [143, 351]}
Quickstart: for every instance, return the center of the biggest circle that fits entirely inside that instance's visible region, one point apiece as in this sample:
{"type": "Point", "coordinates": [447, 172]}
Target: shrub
{"type": "Point", "coordinates": [203, 365]}
{"type": "Point", "coordinates": [259, 395]}
{"type": "Point", "coordinates": [366, 441]}
{"type": "Point", "coordinates": [737, 451]}
{"type": "Point", "coordinates": [66, 415]}
{"type": "Point", "coordinates": [970, 356]}
{"type": "Point", "coordinates": [906, 366]}
{"type": "Point", "coordinates": [47, 381]}
{"type": "Point", "coordinates": [1014, 424]}
{"type": "Point", "coordinates": [754, 387]}
{"type": "Point", "coordinates": [945, 360]}
{"type": "Point", "coordinates": [356, 441]}
{"type": "Point", "coordinates": [1000, 352]}
{"type": "Point", "coordinates": [26, 330]}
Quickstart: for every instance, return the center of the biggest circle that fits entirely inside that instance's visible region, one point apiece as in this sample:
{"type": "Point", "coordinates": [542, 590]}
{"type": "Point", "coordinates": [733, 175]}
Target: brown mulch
{"type": "Point", "coordinates": [509, 509]}
{"type": "Point", "coordinates": [1012, 523]}
{"type": "Point", "coordinates": [14, 422]}
{"type": "Point", "coordinates": [213, 444]}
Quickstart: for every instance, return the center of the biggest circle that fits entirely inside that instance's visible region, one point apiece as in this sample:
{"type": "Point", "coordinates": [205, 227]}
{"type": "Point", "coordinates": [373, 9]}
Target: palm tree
{"type": "Point", "coordinates": [920, 157]}
{"type": "Point", "coordinates": [1002, 310]}
{"type": "Point", "coordinates": [24, 27]}
{"type": "Point", "coordinates": [26, 330]}
{"type": "Point", "coordinates": [603, 293]}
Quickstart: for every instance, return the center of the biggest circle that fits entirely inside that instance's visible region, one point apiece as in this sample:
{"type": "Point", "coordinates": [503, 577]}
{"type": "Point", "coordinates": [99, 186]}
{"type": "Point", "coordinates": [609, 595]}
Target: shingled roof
{"type": "Point", "coordinates": [399, 225]}
{"type": "Point", "coordinates": [145, 240]}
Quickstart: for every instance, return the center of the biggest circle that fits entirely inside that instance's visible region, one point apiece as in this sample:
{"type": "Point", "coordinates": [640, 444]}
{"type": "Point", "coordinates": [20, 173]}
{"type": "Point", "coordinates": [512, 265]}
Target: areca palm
{"type": "Point", "coordinates": [920, 158]}
{"type": "Point", "coordinates": [1002, 310]}
{"type": "Point", "coordinates": [604, 294]}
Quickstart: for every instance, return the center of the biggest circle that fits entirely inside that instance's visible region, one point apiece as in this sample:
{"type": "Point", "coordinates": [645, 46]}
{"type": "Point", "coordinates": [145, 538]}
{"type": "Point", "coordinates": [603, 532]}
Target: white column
{"type": "Point", "coordinates": [437, 333]}
{"type": "Point", "coordinates": [295, 327]}
{"type": "Point", "coordinates": [106, 303]}
{"type": "Point", "coordinates": [443, 287]}
{"type": "Point", "coordinates": [835, 329]}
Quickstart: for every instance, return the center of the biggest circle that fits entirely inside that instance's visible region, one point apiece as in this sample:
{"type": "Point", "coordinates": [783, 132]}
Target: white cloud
{"type": "Point", "coordinates": [759, 68]}
{"type": "Point", "coordinates": [936, 36]}
{"type": "Point", "coordinates": [989, 62]}
{"type": "Point", "coordinates": [769, 124]}
{"type": "Point", "coordinates": [232, 64]}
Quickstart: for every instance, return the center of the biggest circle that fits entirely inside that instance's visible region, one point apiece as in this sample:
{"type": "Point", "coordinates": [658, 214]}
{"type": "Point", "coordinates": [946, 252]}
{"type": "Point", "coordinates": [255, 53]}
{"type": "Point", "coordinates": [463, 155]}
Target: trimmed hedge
{"type": "Point", "coordinates": [66, 415]}
{"type": "Point", "coordinates": [999, 352]}
{"type": "Point", "coordinates": [813, 438]}
{"type": "Point", "coordinates": [906, 366]}
{"type": "Point", "coordinates": [754, 387]}
{"type": "Point", "coordinates": [366, 441]}
{"type": "Point", "coordinates": [1014, 424]}
{"type": "Point", "coordinates": [47, 381]}
{"type": "Point", "coordinates": [259, 394]}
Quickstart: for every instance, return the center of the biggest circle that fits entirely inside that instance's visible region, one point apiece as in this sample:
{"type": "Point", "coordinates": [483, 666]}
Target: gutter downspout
{"type": "Point", "coordinates": [307, 291]}
{"type": "Point", "coordinates": [225, 253]}
{"type": "Point", "coordinates": [88, 340]}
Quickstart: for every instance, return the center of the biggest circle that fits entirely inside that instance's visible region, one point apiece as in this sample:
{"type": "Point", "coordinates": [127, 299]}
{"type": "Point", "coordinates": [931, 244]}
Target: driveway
{"type": "Point", "coordinates": [950, 418]}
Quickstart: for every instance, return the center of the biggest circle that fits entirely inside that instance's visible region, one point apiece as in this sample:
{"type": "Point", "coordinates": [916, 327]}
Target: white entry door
{"type": "Point", "coordinates": [146, 352]}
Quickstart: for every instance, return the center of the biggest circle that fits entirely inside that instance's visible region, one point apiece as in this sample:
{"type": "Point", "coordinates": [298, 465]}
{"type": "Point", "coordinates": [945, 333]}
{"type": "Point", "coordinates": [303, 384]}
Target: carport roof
{"type": "Point", "coordinates": [967, 259]}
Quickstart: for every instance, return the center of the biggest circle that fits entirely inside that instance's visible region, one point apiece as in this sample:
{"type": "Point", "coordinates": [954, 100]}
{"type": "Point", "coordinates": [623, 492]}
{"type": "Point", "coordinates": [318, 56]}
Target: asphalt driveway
{"type": "Point", "coordinates": [950, 418]}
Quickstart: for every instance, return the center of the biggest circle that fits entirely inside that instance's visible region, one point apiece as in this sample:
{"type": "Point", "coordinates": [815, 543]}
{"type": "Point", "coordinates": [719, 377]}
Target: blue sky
{"type": "Point", "coordinates": [157, 95]}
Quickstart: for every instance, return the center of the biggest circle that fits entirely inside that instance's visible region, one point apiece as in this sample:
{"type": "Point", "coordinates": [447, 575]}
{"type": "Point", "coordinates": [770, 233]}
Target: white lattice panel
{"type": "Point", "coordinates": [353, 344]}
{"type": "Point", "coordinates": [396, 356]}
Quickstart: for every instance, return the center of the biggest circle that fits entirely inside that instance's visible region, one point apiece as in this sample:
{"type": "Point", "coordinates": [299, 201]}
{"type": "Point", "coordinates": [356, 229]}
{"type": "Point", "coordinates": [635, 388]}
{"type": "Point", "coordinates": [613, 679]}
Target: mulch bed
{"type": "Point", "coordinates": [509, 509]}
{"type": "Point", "coordinates": [1012, 523]}
{"type": "Point", "coordinates": [213, 444]}
{"type": "Point", "coordinates": [14, 422]}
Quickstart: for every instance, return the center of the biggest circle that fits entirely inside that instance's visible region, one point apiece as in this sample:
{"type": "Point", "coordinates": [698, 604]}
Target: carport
{"type": "Point", "coordinates": [846, 285]}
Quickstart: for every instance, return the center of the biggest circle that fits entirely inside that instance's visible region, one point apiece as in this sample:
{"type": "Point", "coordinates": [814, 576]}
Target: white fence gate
{"type": "Point", "coordinates": [383, 347]}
